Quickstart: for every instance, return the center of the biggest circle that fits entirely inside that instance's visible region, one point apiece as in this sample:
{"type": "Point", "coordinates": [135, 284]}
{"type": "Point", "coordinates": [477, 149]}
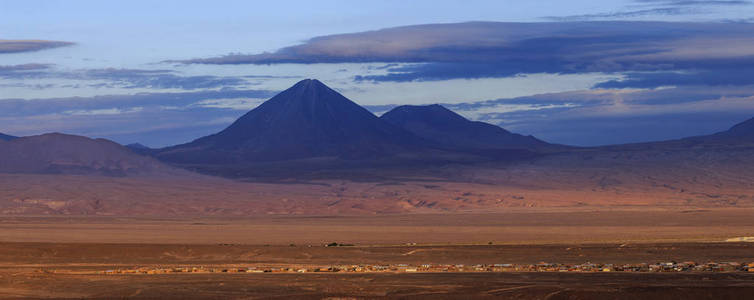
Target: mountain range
{"type": "Point", "coordinates": [309, 149]}
{"type": "Point", "coordinates": [305, 121]}
{"type": "Point", "coordinates": [56, 153]}
{"type": "Point", "coordinates": [310, 127]}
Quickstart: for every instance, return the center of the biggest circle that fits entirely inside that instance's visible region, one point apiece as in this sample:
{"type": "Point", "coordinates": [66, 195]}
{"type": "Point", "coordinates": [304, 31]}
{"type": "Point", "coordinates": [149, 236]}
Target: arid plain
{"type": "Point", "coordinates": [65, 256]}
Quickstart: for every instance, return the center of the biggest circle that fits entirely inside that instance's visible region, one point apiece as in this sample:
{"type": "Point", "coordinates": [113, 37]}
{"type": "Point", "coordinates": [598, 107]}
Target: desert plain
{"type": "Point", "coordinates": [43, 256]}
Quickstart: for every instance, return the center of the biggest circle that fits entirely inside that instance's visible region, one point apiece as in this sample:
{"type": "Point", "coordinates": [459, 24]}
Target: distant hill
{"type": "Point", "coordinates": [443, 126]}
{"type": "Point", "coordinates": [739, 136]}
{"type": "Point", "coordinates": [5, 137]}
{"type": "Point", "coordinates": [137, 146]}
{"type": "Point", "coordinates": [742, 132]}
{"type": "Point", "coordinates": [57, 153]}
{"type": "Point", "coordinates": [307, 120]}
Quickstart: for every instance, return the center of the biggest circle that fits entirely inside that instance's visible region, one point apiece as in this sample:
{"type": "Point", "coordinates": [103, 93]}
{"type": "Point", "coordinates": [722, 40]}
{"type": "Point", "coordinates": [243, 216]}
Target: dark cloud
{"type": "Point", "coordinates": [695, 2]}
{"type": "Point", "coordinates": [479, 42]}
{"type": "Point", "coordinates": [16, 46]}
{"type": "Point", "coordinates": [24, 67]}
{"type": "Point", "coordinates": [662, 11]}
{"type": "Point", "coordinates": [490, 49]}
{"type": "Point", "coordinates": [725, 77]}
{"type": "Point", "coordinates": [655, 8]}
{"type": "Point", "coordinates": [445, 71]}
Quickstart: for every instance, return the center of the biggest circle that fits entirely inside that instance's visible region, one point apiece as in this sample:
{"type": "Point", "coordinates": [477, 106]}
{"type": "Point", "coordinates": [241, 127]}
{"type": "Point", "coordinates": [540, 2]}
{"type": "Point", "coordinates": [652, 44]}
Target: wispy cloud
{"type": "Point", "coordinates": [695, 2]}
{"type": "Point", "coordinates": [123, 78]}
{"type": "Point", "coordinates": [626, 14]}
{"type": "Point", "coordinates": [16, 46]}
{"type": "Point", "coordinates": [644, 8]}
{"type": "Point", "coordinates": [24, 67]}
{"type": "Point", "coordinates": [155, 119]}
{"type": "Point", "coordinates": [159, 79]}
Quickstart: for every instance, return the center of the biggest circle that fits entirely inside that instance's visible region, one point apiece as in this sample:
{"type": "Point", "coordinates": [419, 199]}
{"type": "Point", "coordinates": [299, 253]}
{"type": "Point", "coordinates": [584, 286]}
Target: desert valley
{"type": "Point", "coordinates": [418, 185]}
{"type": "Point", "coordinates": [311, 151]}
{"type": "Point", "coordinates": [330, 149]}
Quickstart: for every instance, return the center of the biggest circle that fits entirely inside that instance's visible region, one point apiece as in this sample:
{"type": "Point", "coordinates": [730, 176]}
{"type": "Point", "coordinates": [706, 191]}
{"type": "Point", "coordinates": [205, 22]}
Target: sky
{"type": "Point", "coordinates": [573, 72]}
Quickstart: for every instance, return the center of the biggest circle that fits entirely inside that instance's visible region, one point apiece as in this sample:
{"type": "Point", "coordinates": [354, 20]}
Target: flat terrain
{"type": "Point", "coordinates": [526, 226]}
{"type": "Point", "coordinates": [55, 256]}
{"type": "Point", "coordinates": [48, 270]}
{"type": "Point", "coordinates": [100, 256]}
{"type": "Point", "coordinates": [23, 284]}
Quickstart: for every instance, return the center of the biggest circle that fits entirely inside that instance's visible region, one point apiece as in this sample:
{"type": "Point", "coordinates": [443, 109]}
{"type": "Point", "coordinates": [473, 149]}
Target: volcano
{"type": "Point", "coordinates": [451, 130]}
{"type": "Point", "coordinates": [308, 120]}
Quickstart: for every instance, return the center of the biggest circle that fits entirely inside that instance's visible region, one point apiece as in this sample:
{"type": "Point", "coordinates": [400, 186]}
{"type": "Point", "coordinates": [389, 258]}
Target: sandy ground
{"type": "Point", "coordinates": [47, 270]}
{"type": "Point", "coordinates": [516, 227]}
{"type": "Point", "coordinates": [31, 247]}
{"type": "Point", "coordinates": [19, 284]}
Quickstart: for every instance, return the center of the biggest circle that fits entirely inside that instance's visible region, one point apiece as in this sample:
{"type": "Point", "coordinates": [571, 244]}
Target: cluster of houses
{"type": "Point", "coordinates": [430, 268]}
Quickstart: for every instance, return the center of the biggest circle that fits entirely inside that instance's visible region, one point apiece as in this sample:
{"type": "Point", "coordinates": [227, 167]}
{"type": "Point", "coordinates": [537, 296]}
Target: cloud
{"type": "Point", "coordinates": [244, 104]}
{"type": "Point", "coordinates": [183, 101]}
{"type": "Point", "coordinates": [655, 8]}
{"type": "Point", "coordinates": [695, 2]}
{"type": "Point", "coordinates": [492, 49]}
{"type": "Point", "coordinates": [727, 77]}
{"type": "Point", "coordinates": [124, 78]}
{"type": "Point", "coordinates": [16, 46]}
{"type": "Point", "coordinates": [23, 70]}
{"type": "Point", "coordinates": [98, 112]}
{"type": "Point", "coordinates": [158, 79]}
{"type": "Point", "coordinates": [663, 11]}
{"type": "Point", "coordinates": [154, 119]}
{"type": "Point", "coordinates": [24, 67]}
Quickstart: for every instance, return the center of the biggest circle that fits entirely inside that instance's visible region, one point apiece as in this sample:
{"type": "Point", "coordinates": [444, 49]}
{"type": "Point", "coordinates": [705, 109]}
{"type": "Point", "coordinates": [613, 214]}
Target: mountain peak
{"type": "Point", "coordinates": [438, 124]}
{"type": "Point", "coordinates": [137, 146]}
{"type": "Point", "coordinates": [434, 114]}
{"type": "Point", "coordinates": [306, 120]}
{"type": "Point", "coordinates": [308, 84]}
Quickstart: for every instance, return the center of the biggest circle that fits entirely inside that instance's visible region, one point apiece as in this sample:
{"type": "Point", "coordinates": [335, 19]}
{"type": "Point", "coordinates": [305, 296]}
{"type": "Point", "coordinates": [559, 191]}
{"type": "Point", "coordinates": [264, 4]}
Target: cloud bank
{"type": "Point", "coordinates": [492, 49]}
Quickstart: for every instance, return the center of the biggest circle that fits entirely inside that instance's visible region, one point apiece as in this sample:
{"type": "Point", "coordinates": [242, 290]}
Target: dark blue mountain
{"type": "Point", "coordinates": [56, 153]}
{"type": "Point", "coordinates": [451, 130]}
{"type": "Point", "coordinates": [6, 137]}
{"type": "Point", "coordinates": [307, 120]}
{"type": "Point", "coordinates": [137, 146]}
{"type": "Point", "coordinates": [743, 130]}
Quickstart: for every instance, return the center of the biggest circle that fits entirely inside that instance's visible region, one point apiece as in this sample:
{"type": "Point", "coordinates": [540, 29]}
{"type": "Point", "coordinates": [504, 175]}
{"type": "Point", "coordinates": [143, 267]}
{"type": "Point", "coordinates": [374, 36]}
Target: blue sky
{"type": "Point", "coordinates": [166, 72]}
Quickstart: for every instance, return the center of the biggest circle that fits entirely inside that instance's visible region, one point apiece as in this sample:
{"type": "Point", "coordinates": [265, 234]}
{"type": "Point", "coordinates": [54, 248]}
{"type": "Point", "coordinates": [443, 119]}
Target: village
{"type": "Point", "coordinates": [436, 268]}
